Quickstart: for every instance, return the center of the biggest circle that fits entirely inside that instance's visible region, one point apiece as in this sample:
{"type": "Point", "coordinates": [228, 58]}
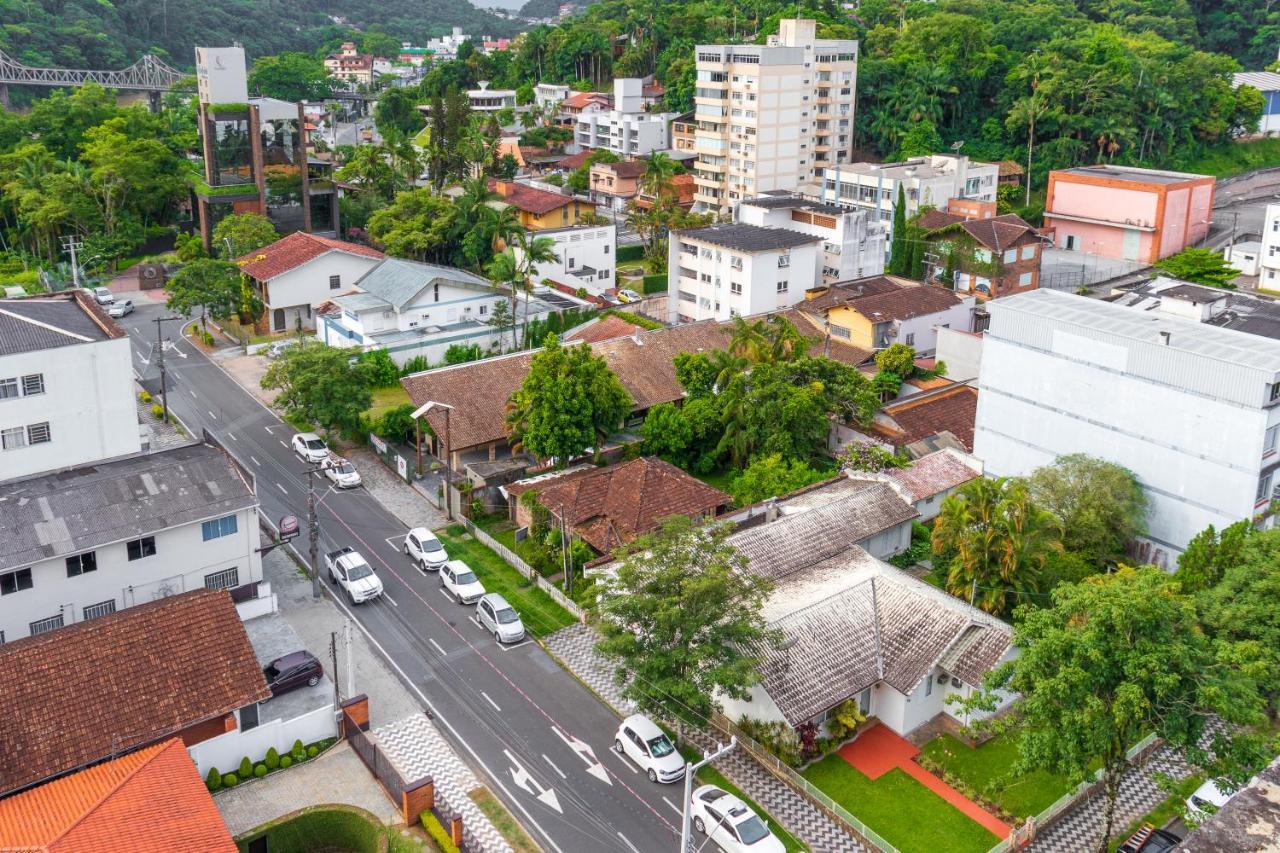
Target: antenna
{"type": "Point", "coordinates": [957, 145]}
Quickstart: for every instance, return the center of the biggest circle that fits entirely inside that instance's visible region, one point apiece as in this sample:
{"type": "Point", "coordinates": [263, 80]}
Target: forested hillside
{"type": "Point", "coordinates": [103, 34]}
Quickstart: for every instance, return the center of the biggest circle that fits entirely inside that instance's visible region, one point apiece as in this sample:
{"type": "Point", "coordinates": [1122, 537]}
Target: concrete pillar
{"type": "Point", "coordinates": [418, 797]}
{"type": "Point", "coordinates": [455, 830]}
{"type": "Point", "coordinates": [357, 709]}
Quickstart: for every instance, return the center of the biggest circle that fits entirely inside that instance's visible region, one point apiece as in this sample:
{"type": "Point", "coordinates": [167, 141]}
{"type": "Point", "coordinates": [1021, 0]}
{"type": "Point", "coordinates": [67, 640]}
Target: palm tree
{"type": "Point", "coordinates": [533, 251]}
{"type": "Point", "coordinates": [505, 269]}
{"type": "Point", "coordinates": [658, 172]}
{"type": "Point", "coordinates": [748, 340]}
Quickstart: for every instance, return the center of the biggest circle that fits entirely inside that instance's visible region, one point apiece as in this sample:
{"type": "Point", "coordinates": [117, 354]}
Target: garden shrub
{"type": "Point", "coordinates": [157, 411]}
{"type": "Point", "coordinates": [313, 751]}
{"type": "Point", "coordinates": [632, 252]}
{"type": "Point", "coordinates": [844, 720]}
{"type": "Point", "coordinates": [299, 751]}
{"type": "Point", "coordinates": [776, 736]}
{"type": "Point", "coordinates": [144, 397]}
{"type": "Point", "coordinates": [260, 770]}
{"type": "Point", "coordinates": [286, 761]}
{"type": "Point", "coordinates": [417, 364]}
{"type": "Point", "coordinates": [272, 760]}
{"type": "Point", "coordinates": [382, 370]}
{"type": "Point", "coordinates": [214, 780]}
{"type": "Point", "coordinates": [246, 768]}
{"type": "Point", "coordinates": [396, 424]}
{"type": "Point", "coordinates": [230, 780]}
{"type": "Point", "coordinates": [438, 833]}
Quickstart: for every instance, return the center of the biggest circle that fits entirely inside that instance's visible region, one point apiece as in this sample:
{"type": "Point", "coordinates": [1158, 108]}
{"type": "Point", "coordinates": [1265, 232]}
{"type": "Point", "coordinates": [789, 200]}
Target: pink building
{"type": "Point", "coordinates": [1128, 213]}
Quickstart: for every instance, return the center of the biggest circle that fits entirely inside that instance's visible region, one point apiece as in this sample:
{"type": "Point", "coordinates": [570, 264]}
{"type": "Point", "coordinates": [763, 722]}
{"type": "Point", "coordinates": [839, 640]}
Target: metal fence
{"type": "Point", "coordinates": [392, 458]}
{"type": "Point", "coordinates": [379, 765]}
{"type": "Point", "coordinates": [513, 559]}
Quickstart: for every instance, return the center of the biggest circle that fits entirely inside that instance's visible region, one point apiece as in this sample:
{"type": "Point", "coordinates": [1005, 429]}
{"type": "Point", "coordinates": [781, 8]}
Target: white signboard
{"type": "Point", "coordinates": [402, 467]}
{"type": "Point", "coordinates": [221, 77]}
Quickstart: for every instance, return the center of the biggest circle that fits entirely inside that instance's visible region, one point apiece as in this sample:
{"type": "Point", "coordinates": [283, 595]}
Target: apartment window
{"type": "Point", "coordinates": [8, 388]}
{"type": "Point", "coordinates": [735, 262]}
{"type": "Point", "coordinates": [44, 626]}
{"type": "Point", "coordinates": [11, 582]}
{"type": "Point", "coordinates": [782, 286]}
{"type": "Point", "coordinates": [102, 608]}
{"type": "Point", "coordinates": [13, 438]}
{"type": "Point", "coordinates": [484, 309]}
{"type": "Point", "coordinates": [1028, 252]}
{"type": "Point", "coordinates": [219, 527]}
{"type": "Point", "coordinates": [735, 287]}
{"type": "Point", "coordinates": [1275, 391]}
{"type": "Point", "coordinates": [910, 340]}
{"type": "Point", "coordinates": [144, 547]}
{"type": "Point", "coordinates": [1264, 486]}
{"type": "Point", "coordinates": [225, 579]}
{"type": "Point", "coordinates": [82, 564]}
{"type": "Point", "coordinates": [1269, 440]}
{"type": "Point", "coordinates": [38, 433]}
{"type": "Point", "coordinates": [33, 384]}
{"type": "Point", "coordinates": [784, 261]}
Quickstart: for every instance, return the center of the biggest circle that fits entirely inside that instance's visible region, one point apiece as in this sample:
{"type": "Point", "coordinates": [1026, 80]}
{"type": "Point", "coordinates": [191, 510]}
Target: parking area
{"type": "Point", "coordinates": [272, 637]}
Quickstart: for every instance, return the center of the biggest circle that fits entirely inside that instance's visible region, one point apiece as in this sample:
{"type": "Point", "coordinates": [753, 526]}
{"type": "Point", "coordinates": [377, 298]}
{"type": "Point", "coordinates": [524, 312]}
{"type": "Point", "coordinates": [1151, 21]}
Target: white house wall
{"type": "Point", "coordinates": [576, 248]}
{"type": "Point", "coordinates": [757, 706]}
{"type": "Point", "coordinates": [922, 332]}
{"type": "Point", "coordinates": [308, 284]}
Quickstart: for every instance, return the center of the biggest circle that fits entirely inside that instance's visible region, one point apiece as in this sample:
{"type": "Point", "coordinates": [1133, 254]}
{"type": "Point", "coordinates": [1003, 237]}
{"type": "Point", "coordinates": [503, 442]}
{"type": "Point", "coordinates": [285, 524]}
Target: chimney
{"type": "Point", "coordinates": [502, 188]}
{"type": "Point", "coordinates": [1164, 337]}
{"type": "Point", "coordinates": [771, 510]}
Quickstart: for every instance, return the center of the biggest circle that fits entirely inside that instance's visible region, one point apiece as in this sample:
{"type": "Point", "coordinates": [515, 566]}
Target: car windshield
{"type": "Point", "coordinates": [506, 617]}
{"type": "Point", "coordinates": [270, 672]}
{"type": "Point", "coordinates": [346, 468]}
{"type": "Point", "coordinates": [315, 444]}
{"type": "Point", "coordinates": [464, 577]}
{"type": "Point", "coordinates": [358, 571]}
{"type": "Point", "coordinates": [752, 830]}
{"type": "Point", "coordinates": [660, 746]}
{"type": "Point", "coordinates": [431, 545]}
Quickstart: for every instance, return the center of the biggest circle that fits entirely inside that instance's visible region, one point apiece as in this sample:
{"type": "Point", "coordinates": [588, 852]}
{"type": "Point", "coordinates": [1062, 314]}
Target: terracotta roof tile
{"type": "Point", "coordinates": [295, 250]}
{"type": "Point", "coordinates": [1009, 167]}
{"type": "Point", "coordinates": [844, 292]}
{"type": "Point", "coordinates": [627, 168]}
{"type": "Point", "coordinates": [932, 220]}
{"type": "Point", "coordinates": [813, 327]}
{"type": "Point", "coordinates": [149, 801]}
{"type": "Point", "coordinates": [530, 199]}
{"type": "Point", "coordinates": [573, 161]}
{"type": "Point", "coordinates": [601, 329]}
{"type": "Point", "coordinates": [933, 474]}
{"type": "Point", "coordinates": [1000, 232]}
{"type": "Point", "coordinates": [579, 100]}
{"type": "Point", "coordinates": [905, 303]}
{"type": "Point", "coordinates": [952, 409]}
{"type": "Point", "coordinates": [76, 694]}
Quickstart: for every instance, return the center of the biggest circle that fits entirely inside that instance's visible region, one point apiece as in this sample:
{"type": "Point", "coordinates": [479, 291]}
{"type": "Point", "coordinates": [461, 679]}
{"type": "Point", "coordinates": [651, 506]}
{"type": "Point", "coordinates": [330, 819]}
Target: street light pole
{"type": "Point", "coordinates": [689, 769]}
{"type": "Point", "coordinates": [313, 533]}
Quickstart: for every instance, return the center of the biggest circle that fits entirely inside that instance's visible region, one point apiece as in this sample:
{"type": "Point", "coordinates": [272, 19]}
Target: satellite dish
{"type": "Point", "coordinates": [957, 145]}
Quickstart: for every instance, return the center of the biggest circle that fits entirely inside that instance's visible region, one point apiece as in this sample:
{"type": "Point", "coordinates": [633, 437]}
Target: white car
{"type": "Point", "coordinates": [103, 296]}
{"type": "Point", "coordinates": [731, 823]}
{"type": "Point", "coordinates": [648, 746]}
{"type": "Point", "coordinates": [350, 570]}
{"type": "Point", "coordinates": [278, 348]}
{"type": "Point", "coordinates": [457, 578]}
{"type": "Point", "coordinates": [499, 618]}
{"type": "Point", "coordinates": [340, 472]}
{"type": "Point", "coordinates": [120, 308]}
{"type": "Point", "coordinates": [422, 546]}
{"type": "Point", "coordinates": [1207, 799]}
{"type": "Point", "coordinates": [310, 447]}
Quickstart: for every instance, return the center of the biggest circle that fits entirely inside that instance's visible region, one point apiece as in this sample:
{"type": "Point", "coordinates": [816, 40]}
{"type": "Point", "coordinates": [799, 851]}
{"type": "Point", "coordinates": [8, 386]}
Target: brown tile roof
{"type": "Point", "coordinates": [933, 474]}
{"type": "Point", "coordinates": [295, 250]}
{"type": "Point", "coordinates": [530, 199]}
{"type": "Point", "coordinates": [149, 801]}
{"type": "Point", "coordinates": [813, 327]}
{"type": "Point", "coordinates": [76, 694]}
{"type": "Point", "coordinates": [627, 168]}
{"type": "Point", "coordinates": [905, 303]}
{"type": "Point", "coordinates": [684, 189]}
{"type": "Point", "coordinates": [844, 292]}
{"type": "Point", "coordinates": [611, 506]}
{"type": "Point", "coordinates": [479, 390]}
{"type": "Point", "coordinates": [952, 409]}
{"type": "Point", "coordinates": [932, 220]}
{"type": "Point", "coordinates": [573, 161]}
{"type": "Point", "coordinates": [579, 100]}
{"type": "Point", "coordinates": [1008, 167]}
{"type": "Point", "coordinates": [1000, 232]}
{"type": "Point", "coordinates": [601, 329]}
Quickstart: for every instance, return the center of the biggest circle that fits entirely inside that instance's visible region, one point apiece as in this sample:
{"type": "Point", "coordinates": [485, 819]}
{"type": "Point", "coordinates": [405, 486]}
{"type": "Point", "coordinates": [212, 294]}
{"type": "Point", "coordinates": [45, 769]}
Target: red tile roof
{"type": "Point", "coordinates": [530, 199]}
{"type": "Point", "coordinates": [933, 474]}
{"type": "Point", "coordinates": [952, 409]}
{"type": "Point", "coordinates": [932, 220]}
{"type": "Point", "coordinates": [1000, 232]}
{"type": "Point", "coordinates": [149, 801]}
{"type": "Point", "coordinates": [626, 168]}
{"type": "Point", "coordinates": [579, 100]}
{"type": "Point", "coordinates": [905, 303]}
{"type": "Point", "coordinates": [573, 161]}
{"type": "Point", "coordinates": [295, 250]}
{"type": "Point", "coordinates": [602, 329]}
{"type": "Point", "coordinates": [75, 695]}
{"type": "Point", "coordinates": [611, 506]}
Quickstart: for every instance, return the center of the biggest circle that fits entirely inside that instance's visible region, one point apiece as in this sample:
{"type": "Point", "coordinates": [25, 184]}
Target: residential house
{"type": "Point", "coordinates": [101, 537]}
{"type": "Point", "coordinates": [626, 129]}
{"type": "Point", "coordinates": [771, 116]}
{"type": "Point", "coordinates": [297, 274]}
{"type": "Point", "coordinates": [1154, 387]}
{"type": "Point", "coordinates": [929, 181]}
{"type": "Point", "coordinates": [412, 309]}
{"type": "Point", "coordinates": [919, 424]}
{"type": "Point", "coordinates": [580, 102]}
{"type": "Point", "coordinates": [180, 666]}
{"type": "Point", "coordinates": [879, 311]}
{"type": "Point", "coordinates": [1269, 252]}
{"type": "Point", "coordinates": [609, 507]}
{"type": "Point", "coordinates": [148, 801]}
{"type": "Point", "coordinates": [415, 56]}
{"type": "Point", "coordinates": [486, 100]}
{"type": "Point", "coordinates": [600, 328]}
{"type": "Point", "coordinates": [681, 189]}
{"type": "Point", "coordinates": [853, 244]}
{"type": "Point", "coordinates": [1268, 83]}
{"type": "Point", "coordinates": [988, 257]}
{"type": "Point", "coordinates": [929, 479]}
{"type": "Point", "coordinates": [614, 184]}
{"type": "Point", "coordinates": [1128, 213]}
{"type": "Point", "coordinates": [445, 48]}
{"type": "Point", "coordinates": [584, 259]}
{"type": "Point", "coordinates": [541, 209]}
{"type": "Point", "coordinates": [350, 66]}
{"type": "Point", "coordinates": [652, 93]}
{"type": "Point", "coordinates": [66, 385]}
{"type": "Point", "coordinates": [549, 96]}
{"type": "Point", "coordinates": [1011, 173]}
{"type": "Point", "coordinates": [490, 46]}
{"type": "Point", "coordinates": [722, 271]}
{"type": "Point", "coordinates": [1245, 257]}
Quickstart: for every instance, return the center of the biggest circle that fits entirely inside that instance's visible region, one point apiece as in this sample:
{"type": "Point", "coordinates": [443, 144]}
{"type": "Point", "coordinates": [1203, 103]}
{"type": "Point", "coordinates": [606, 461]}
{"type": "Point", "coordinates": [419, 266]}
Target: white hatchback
{"type": "Point", "coordinates": [460, 582]}
{"type": "Point", "coordinates": [422, 546]}
{"type": "Point", "coordinates": [731, 823]}
{"type": "Point", "coordinates": [310, 447]}
{"type": "Point", "coordinates": [647, 745]}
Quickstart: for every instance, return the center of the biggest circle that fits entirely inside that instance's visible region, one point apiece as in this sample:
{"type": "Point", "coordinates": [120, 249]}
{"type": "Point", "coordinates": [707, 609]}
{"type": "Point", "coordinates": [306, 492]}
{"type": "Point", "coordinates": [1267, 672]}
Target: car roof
{"type": "Point", "coordinates": [459, 566]}
{"type": "Point", "coordinates": [293, 659]}
{"type": "Point", "coordinates": [643, 726]}
{"type": "Point", "coordinates": [498, 602]}
{"type": "Point", "coordinates": [353, 556]}
{"type": "Point", "coordinates": [307, 436]}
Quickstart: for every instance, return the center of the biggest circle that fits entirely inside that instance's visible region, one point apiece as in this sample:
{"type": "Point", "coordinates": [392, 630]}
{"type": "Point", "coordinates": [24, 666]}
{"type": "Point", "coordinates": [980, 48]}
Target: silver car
{"type": "Point", "coordinates": [499, 618]}
{"type": "Point", "coordinates": [120, 307]}
{"type": "Point", "coordinates": [103, 296]}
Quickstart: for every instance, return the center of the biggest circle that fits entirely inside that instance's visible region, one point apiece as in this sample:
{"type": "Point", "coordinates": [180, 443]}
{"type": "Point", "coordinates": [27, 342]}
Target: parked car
{"type": "Point", "coordinates": [629, 295]}
{"type": "Point", "coordinates": [1207, 799]}
{"type": "Point", "coordinates": [340, 472]}
{"type": "Point", "coordinates": [310, 447]}
{"type": "Point", "coordinates": [422, 546]}
{"type": "Point", "coordinates": [731, 823]}
{"type": "Point", "coordinates": [462, 583]}
{"type": "Point", "coordinates": [121, 308]}
{"type": "Point", "coordinates": [277, 349]}
{"type": "Point", "coordinates": [351, 571]}
{"type": "Point", "coordinates": [499, 618]}
{"type": "Point", "coordinates": [1148, 839]}
{"type": "Point", "coordinates": [103, 296]}
{"type": "Point", "coordinates": [648, 746]}
{"type": "Point", "coordinates": [292, 671]}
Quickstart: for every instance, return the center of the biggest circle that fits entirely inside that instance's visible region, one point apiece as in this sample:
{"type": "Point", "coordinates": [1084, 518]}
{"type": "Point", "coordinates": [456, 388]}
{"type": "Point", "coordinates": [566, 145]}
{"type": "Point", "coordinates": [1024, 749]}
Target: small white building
{"type": "Point", "coordinates": [1269, 252]}
{"type": "Point", "coordinates": [626, 130]}
{"type": "Point", "coordinates": [1244, 256]}
{"type": "Point", "coordinates": [549, 96]}
{"type": "Point", "coordinates": [584, 258]}
{"type": "Point", "coordinates": [299, 273]}
{"type": "Point", "coordinates": [486, 100]}
{"type": "Point", "coordinates": [98, 538]}
{"type": "Point", "coordinates": [66, 386]}
{"type": "Point", "coordinates": [730, 270]}
{"type": "Point", "coordinates": [853, 243]}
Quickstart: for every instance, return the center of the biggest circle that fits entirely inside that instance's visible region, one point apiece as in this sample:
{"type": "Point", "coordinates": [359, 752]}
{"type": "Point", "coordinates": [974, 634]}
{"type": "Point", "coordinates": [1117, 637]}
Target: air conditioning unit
{"type": "Point", "coordinates": [943, 678]}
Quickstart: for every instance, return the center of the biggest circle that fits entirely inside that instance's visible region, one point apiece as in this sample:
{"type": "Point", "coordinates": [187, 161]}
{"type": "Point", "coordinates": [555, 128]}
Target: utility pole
{"type": "Point", "coordinates": [333, 657]}
{"type": "Point", "coordinates": [71, 245]}
{"type": "Point", "coordinates": [313, 533]}
{"type": "Point", "coordinates": [164, 397]}
{"type": "Point", "coordinates": [689, 770]}
{"type": "Point", "coordinates": [351, 674]}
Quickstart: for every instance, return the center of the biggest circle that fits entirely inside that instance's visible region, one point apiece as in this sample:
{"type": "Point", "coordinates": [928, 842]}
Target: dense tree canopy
{"type": "Point", "coordinates": [1099, 505]}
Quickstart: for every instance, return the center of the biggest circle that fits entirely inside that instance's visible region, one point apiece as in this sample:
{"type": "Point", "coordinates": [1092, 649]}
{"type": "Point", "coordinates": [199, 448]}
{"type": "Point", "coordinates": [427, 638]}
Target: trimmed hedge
{"type": "Point", "coordinates": [438, 833]}
{"type": "Point", "coordinates": [633, 252]}
{"type": "Point", "coordinates": [654, 283]}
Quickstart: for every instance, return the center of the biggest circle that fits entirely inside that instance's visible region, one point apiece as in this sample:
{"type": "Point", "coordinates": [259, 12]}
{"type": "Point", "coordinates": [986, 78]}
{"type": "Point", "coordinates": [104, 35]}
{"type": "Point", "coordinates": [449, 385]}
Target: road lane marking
{"type": "Point", "coordinates": [445, 593]}
{"type": "Point", "coordinates": [389, 598]}
{"type": "Point", "coordinates": [192, 393]}
{"type": "Point", "coordinates": [504, 647]}
{"type": "Point", "coordinates": [439, 647]}
{"type": "Point", "coordinates": [563, 775]}
{"type": "Point", "coordinates": [627, 842]}
{"type": "Point", "coordinates": [268, 429]}
{"type": "Point", "coordinates": [232, 436]}
{"type": "Point", "coordinates": [256, 463]}
{"type": "Point", "coordinates": [673, 805]}
{"type": "Point", "coordinates": [491, 702]}
{"type": "Point", "coordinates": [282, 488]}
{"type": "Point", "coordinates": [584, 751]}
{"type": "Point", "coordinates": [474, 621]}
{"type": "Point", "coordinates": [212, 415]}
{"type": "Point", "coordinates": [282, 444]}
{"type": "Point", "coordinates": [625, 761]}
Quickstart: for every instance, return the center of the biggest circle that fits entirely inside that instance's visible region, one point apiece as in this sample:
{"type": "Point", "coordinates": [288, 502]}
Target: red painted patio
{"type": "Point", "coordinates": [878, 750]}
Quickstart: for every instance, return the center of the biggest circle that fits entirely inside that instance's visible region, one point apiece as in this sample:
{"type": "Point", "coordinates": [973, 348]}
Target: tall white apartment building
{"type": "Point", "coordinates": [771, 116]}
{"type": "Point", "coordinates": [853, 243]}
{"type": "Point", "coordinates": [626, 130]}
{"type": "Point", "coordinates": [730, 270]}
{"type": "Point", "coordinates": [1162, 386]}
{"type": "Point", "coordinates": [1269, 255]}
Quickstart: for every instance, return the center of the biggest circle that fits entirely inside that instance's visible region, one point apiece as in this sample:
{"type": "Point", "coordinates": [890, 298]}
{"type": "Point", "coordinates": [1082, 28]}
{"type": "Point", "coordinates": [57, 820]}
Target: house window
{"type": "Point", "coordinates": [910, 340]}
{"type": "Point", "coordinates": [841, 332]}
{"type": "Point", "coordinates": [484, 309]}
{"type": "Point", "coordinates": [1024, 280]}
{"type": "Point", "coordinates": [435, 290]}
{"type": "Point", "coordinates": [1028, 252]}
{"type": "Point", "coordinates": [225, 579]}
{"type": "Point", "coordinates": [144, 547]}
{"type": "Point", "coordinates": [11, 582]}
{"type": "Point", "coordinates": [44, 626]}
{"type": "Point", "coordinates": [38, 433]}
{"type": "Point", "coordinates": [782, 286]}
{"type": "Point", "coordinates": [33, 384]}
{"type": "Point", "coordinates": [864, 702]}
{"type": "Point", "coordinates": [102, 608]}
{"type": "Point", "coordinates": [928, 685]}
{"type": "Point", "coordinates": [1275, 391]}
{"type": "Point", "coordinates": [219, 527]}
{"type": "Point", "coordinates": [335, 282]}
{"type": "Point", "coordinates": [82, 564]}
{"type": "Point", "coordinates": [1010, 255]}
{"type": "Point", "coordinates": [13, 438]}
{"type": "Point", "coordinates": [735, 287]}
{"type": "Point", "coordinates": [1269, 440]}
{"type": "Point", "coordinates": [606, 249]}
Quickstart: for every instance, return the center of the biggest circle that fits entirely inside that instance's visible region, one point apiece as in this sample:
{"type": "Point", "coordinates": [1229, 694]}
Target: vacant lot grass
{"type": "Point", "coordinates": [387, 398]}
{"type": "Point", "coordinates": [503, 821]}
{"type": "Point", "coordinates": [986, 769]}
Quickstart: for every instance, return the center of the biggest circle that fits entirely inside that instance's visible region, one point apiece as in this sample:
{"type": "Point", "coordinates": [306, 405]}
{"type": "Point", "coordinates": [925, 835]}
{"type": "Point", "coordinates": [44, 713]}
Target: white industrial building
{"type": "Point", "coordinates": [1269, 252]}
{"type": "Point", "coordinates": [584, 258]}
{"type": "Point", "coordinates": [853, 243]}
{"type": "Point", "coordinates": [1160, 385]}
{"type": "Point", "coordinates": [626, 130]}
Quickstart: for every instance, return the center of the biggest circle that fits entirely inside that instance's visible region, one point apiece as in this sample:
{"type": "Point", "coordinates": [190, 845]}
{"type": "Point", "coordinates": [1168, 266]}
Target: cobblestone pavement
{"type": "Point", "coordinates": [337, 776]}
{"type": "Point", "coordinates": [156, 434]}
{"type": "Point", "coordinates": [575, 647]}
{"type": "Point", "coordinates": [398, 497]}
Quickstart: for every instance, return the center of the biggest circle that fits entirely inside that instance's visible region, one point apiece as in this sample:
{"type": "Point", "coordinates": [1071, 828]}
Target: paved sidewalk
{"type": "Point", "coordinates": [396, 496]}
{"type": "Point", "coordinates": [337, 776]}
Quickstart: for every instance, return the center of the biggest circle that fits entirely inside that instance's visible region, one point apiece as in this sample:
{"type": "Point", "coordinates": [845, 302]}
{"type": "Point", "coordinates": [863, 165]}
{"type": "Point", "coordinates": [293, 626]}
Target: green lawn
{"type": "Point", "coordinates": [387, 398]}
{"type": "Point", "coordinates": [983, 769]}
{"type": "Point", "coordinates": [905, 813]}
{"type": "Point", "coordinates": [540, 614]}
{"type": "Point", "coordinates": [719, 479]}
{"type": "Point", "coordinates": [709, 775]}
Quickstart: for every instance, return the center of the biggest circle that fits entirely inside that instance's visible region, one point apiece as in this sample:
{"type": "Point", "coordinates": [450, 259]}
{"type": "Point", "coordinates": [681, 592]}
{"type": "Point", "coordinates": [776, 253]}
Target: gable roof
{"type": "Point", "coordinates": [613, 505]}
{"type": "Point", "coordinates": [579, 100]}
{"type": "Point", "coordinates": [573, 161]}
{"type": "Point", "coordinates": [814, 328]}
{"type": "Point", "coordinates": [32, 323]}
{"type": "Point", "coordinates": [845, 292]}
{"type": "Point", "coordinates": [397, 281]}
{"type": "Point", "coordinates": [530, 199]}
{"type": "Point", "coordinates": [291, 252]}
{"type": "Point", "coordinates": [999, 232]}
{"type": "Point", "coordinates": [601, 329]}
{"type": "Point", "coordinates": [1009, 167]}
{"type": "Point", "coordinates": [905, 303]}
{"type": "Point", "coordinates": [79, 694]}
{"type": "Point", "coordinates": [80, 509]}
{"type": "Point", "coordinates": [626, 168]}
{"type": "Point", "coordinates": [149, 801]}
{"type": "Point", "coordinates": [933, 474]}
{"type": "Point", "coordinates": [932, 220]}
{"type": "Point", "coordinates": [952, 409]}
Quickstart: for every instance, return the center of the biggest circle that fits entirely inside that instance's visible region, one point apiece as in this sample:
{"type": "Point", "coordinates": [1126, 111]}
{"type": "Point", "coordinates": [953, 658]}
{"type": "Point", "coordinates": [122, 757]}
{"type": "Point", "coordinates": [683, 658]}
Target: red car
{"type": "Point", "coordinates": [294, 670]}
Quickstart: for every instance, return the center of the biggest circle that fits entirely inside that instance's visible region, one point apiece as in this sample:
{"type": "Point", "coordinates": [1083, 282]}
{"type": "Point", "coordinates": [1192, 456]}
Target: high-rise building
{"type": "Point", "coordinates": [255, 154]}
{"type": "Point", "coordinates": [772, 116]}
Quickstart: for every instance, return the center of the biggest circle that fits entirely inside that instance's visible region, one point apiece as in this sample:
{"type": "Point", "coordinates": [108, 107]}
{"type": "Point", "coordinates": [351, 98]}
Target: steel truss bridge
{"type": "Point", "coordinates": [148, 74]}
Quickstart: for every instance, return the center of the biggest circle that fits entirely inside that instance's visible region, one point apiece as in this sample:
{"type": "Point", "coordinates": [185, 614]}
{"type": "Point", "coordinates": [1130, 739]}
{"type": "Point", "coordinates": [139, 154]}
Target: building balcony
{"type": "Point", "coordinates": [707, 182]}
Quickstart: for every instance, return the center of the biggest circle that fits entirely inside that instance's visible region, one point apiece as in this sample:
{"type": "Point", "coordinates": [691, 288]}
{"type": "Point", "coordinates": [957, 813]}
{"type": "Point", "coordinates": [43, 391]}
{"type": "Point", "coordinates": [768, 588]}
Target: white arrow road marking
{"type": "Point", "coordinates": [587, 754]}
{"type": "Point", "coordinates": [522, 778]}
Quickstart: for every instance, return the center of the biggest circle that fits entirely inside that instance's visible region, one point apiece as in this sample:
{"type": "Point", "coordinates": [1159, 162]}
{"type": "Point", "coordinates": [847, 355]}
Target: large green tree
{"type": "Point", "coordinates": [771, 476]}
{"type": "Point", "coordinates": [1202, 266]}
{"type": "Point", "coordinates": [320, 384]}
{"type": "Point", "coordinates": [1100, 506]}
{"type": "Point", "coordinates": [416, 225]}
{"type": "Point", "coordinates": [290, 77]}
{"type": "Point", "coordinates": [569, 402]}
{"type": "Point", "coordinates": [211, 285]}
{"type": "Point", "coordinates": [241, 233]}
{"type": "Point", "coordinates": [1209, 555]}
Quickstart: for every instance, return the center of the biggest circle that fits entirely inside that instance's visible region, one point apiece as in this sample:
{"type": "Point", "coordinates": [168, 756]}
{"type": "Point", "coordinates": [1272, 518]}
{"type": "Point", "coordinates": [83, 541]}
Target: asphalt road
{"type": "Point", "coordinates": [528, 728]}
